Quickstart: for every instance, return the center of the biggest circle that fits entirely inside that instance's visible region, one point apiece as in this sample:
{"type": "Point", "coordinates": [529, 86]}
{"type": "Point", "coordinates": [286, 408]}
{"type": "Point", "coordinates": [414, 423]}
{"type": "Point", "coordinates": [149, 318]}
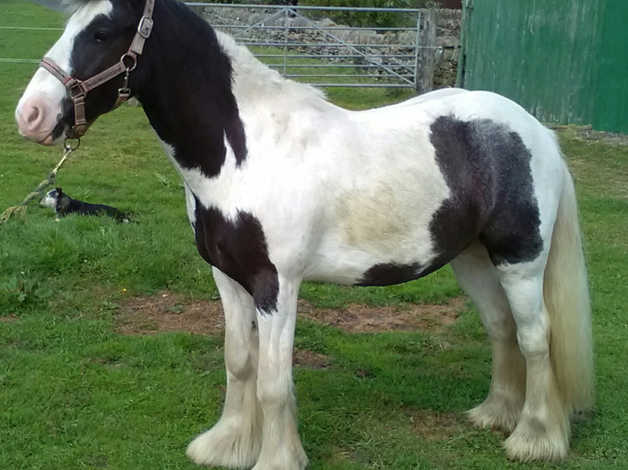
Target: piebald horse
{"type": "Point", "coordinates": [282, 186]}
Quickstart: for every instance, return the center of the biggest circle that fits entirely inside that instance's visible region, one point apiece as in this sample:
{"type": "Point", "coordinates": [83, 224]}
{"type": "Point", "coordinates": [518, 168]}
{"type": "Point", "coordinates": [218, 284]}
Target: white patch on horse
{"type": "Point", "coordinates": [386, 210]}
{"type": "Point", "coordinates": [211, 192]}
{"type": "Point", "coordinates": [190, 205]}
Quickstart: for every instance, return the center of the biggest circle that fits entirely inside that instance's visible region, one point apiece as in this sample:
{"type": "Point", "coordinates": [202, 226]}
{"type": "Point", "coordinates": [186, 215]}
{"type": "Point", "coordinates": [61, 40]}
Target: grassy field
{"type": "Point", "coordinates": [77, 394]}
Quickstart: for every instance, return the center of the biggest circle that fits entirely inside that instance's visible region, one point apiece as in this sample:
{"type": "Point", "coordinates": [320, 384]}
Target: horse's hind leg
{"type": "Point", "coordinates": [479, 278]}
{"type": "Point", "coordinates": [235, 440]}
{"type": "Point", "coordinates": [543, 429]}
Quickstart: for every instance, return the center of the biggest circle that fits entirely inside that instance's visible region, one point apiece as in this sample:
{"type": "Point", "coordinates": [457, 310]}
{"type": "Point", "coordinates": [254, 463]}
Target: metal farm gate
{"type": "Point", "coordinates": [304, 43]}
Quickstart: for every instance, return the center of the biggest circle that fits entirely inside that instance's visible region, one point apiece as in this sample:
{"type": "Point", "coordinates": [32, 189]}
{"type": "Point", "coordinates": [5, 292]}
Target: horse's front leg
{"type": "Point", "coordinates": [281, 446]}
{"type": "Point", "coordinates": [235, 440]}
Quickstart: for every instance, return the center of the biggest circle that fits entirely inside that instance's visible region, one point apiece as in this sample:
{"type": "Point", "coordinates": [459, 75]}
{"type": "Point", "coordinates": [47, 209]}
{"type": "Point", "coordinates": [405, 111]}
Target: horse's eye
{"type": "Point", "coordinates": [100, 36]}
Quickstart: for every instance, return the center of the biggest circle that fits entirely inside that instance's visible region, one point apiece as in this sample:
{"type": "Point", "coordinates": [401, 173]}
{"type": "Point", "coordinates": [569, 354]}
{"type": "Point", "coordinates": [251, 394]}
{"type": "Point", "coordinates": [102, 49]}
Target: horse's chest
{"type": "Point", "coordinates": [238, 248]}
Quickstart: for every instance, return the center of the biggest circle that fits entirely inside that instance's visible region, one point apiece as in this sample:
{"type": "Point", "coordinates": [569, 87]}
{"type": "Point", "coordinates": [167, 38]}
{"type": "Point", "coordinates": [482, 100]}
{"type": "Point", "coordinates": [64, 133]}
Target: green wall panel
{"type": "Point", "coordinates": [563, 60]}
{"type": "Point", "coordinates": [611, 104]}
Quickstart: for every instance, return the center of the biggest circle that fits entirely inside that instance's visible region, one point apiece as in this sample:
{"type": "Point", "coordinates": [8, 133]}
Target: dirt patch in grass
{"type": "Point", "coordinates": [8, 318]}
{"type": "Point", "coordinates": [310, 359]}
{"type": "Point", "coordinates": [167, 311]}
{"type": "Point", "coordinates": [435, 426]}
{"type": "Point", "coordinates": [358, 318]}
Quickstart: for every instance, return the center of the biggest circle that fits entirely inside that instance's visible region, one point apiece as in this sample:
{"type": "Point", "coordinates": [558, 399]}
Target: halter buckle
{"type": "Point", "coordinates": [76, 88]}
{"type": "Point", "coordinates": [145, 27]}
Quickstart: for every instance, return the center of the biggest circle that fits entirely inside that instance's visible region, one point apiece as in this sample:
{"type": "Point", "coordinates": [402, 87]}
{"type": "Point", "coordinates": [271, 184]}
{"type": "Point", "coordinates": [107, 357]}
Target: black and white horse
{"type": "Point", "coordinates": [283, 186]}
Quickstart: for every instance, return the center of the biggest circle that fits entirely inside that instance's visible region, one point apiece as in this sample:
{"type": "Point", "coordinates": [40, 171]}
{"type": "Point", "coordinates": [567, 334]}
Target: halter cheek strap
{"type": "Point", "coordinates": [78, 89]}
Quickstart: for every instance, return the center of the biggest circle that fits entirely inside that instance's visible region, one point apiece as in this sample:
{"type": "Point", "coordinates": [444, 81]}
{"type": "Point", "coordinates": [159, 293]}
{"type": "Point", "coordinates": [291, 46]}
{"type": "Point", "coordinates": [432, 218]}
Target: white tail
{"type": "Point", "coordinates": [567, 300]}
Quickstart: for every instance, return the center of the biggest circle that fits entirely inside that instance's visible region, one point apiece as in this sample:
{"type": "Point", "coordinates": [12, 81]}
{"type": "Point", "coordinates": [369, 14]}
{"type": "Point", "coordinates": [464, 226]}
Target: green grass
{"type": "Point", "coordinates": [77, 395]}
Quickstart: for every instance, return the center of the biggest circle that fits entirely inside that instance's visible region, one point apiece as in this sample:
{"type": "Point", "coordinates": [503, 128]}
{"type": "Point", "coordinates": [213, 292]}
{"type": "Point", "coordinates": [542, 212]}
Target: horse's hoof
{"type": "Point", "coordinates": [298, 463]}
{"type": "Point", "coordinates": [497, 412]}
{"type": "Point", "coordinates": [290, 456]}
{"type": "Point", "coordinates": [227, 444]}
{"type": "Point", "coordinates": [531, 440]}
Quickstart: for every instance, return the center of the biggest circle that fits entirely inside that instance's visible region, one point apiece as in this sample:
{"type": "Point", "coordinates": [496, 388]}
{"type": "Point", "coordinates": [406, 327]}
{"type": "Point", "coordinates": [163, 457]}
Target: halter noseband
{"type": "Point", "coordinates": [78, 89]}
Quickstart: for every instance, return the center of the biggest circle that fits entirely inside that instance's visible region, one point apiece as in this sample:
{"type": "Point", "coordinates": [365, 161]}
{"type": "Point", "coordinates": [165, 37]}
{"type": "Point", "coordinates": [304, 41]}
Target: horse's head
{"type": "Point", "coordinates": [99, 44]}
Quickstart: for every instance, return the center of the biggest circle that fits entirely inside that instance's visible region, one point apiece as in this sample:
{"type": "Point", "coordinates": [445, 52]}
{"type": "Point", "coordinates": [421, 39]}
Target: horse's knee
{"type": "Point", "coordinates": [241, 364]}
{"type": "Point", "coordinates": [241, 353]}
{"type": "Point", "coordinates": [241, 358]}
{"type": "Point", "coordinates": [272, 393]}
{"type": "Point", "coordinates": [272, 389]}
{"type": "Point", "coordinates": [533, 337]}
{"type": "Point", "coordinates": [524, 290]}
{"type": "Point", "coordinates": [501, 328]}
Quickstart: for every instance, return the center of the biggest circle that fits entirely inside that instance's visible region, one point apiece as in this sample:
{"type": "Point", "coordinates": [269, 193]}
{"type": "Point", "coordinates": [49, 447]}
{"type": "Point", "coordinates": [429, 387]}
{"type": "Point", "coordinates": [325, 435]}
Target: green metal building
{"type": "Point", "coordinates": [565, 61]}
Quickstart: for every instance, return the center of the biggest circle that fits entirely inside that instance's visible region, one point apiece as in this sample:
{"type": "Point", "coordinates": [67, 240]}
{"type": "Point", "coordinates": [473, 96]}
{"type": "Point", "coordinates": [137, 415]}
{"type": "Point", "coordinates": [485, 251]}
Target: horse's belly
{"type": "Point", "coordinates": [349, 272]}
{"type": "Point", "coordinates": [378, 227]}
{"type": "Point", "coordinates": [374, 257]}
{"type": "Point", "coordinates": [352, 267]}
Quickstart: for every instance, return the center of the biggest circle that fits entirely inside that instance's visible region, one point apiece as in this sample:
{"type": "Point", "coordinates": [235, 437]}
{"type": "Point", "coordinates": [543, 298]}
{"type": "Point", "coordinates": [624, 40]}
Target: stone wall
{"type": "Point", "coordinates": [448, 39]}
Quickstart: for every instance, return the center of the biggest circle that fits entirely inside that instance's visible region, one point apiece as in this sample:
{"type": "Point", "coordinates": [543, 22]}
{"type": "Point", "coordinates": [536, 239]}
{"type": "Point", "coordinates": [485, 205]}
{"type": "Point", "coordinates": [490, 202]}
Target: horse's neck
{"type": "Point", "coordinates": [256, 85]}
{"type": "Point", "coordinates": [187, 92]}
{"type": "Point", "coordinates": [201, 87]}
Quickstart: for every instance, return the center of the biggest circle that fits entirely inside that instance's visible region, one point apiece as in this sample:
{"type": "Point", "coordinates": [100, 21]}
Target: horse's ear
{"type": "Point", "coordinates": [59, 192]}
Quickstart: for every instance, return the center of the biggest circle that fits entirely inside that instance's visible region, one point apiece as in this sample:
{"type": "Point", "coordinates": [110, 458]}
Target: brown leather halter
{"type": "Point", "coordinates": [78, 89]}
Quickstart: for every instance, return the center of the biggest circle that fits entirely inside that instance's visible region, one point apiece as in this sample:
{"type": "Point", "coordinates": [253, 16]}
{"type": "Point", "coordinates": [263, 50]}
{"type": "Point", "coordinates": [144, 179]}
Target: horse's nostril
{"type": "Point", "coordinates": [33, 114]}
{"type": "Point", "coordinates": [35, 118]}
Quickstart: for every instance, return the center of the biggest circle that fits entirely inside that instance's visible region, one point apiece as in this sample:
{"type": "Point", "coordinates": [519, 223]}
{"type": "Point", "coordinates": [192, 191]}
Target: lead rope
{"type": "Point", "coordinates": [20, 209]}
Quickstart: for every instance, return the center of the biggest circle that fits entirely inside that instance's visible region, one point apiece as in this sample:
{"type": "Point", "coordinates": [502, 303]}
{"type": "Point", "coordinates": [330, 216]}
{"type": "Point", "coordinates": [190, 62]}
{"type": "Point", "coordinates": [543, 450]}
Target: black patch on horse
{"type": "Point", "coordinates": [198, 111]}
{"type": "Point", "coordinates": [487, 168]}
{"type": "Point", "coordinates": [387, 274]}
{"type": "Point", "coordinates": [238, 248]}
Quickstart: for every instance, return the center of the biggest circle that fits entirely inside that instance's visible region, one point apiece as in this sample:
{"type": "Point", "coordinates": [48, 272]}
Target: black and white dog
{"type": "Point", "coordinates": [65, 205]}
